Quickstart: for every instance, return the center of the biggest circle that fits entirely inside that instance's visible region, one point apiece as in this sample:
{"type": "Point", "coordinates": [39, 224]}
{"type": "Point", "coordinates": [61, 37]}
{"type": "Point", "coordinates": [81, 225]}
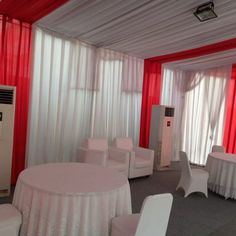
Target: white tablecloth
{"type": "Point", "coordinates": [222, 174]}
{"type": "Point", "coordinates": [70, 199]}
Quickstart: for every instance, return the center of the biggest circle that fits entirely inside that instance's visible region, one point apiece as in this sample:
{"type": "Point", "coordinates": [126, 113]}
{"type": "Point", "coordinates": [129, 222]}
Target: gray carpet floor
{"type": "Point", "coordinates": [191, 216]}
{"type": "Point", "coordinates": [195, 215]}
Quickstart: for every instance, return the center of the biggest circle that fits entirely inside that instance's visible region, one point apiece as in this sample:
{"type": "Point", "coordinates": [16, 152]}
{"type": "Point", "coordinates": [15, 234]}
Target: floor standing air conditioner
{"type": "Point", "coordinates": [161, 132]}
{"type": "Point", "coordinates": [7, 111]}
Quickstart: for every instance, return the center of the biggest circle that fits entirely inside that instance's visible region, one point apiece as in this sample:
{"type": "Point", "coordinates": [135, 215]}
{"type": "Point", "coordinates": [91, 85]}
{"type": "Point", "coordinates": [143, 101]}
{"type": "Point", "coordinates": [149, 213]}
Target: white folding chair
{"type": "Point", "coordinates": [141, 159]}
{"type": "Point", "coordinates": [153, 219]}
{"type": "Point", "coordinates": [218, 148]}
{"type": "Point", "coordinates": [192, 180]}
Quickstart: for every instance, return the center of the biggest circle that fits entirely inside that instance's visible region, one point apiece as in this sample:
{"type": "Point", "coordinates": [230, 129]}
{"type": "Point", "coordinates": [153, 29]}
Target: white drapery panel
{"type": "Point", "coordinates": [199, 101]}
{"type": "Point", "coordinates": [80, 91]}
{"type": "Point", "coordinates": [117, 102]}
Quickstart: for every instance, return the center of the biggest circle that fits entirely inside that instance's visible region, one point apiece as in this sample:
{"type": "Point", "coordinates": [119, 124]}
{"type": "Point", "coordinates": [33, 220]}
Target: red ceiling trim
{"type": "Point", "coordinates": [204, 50]}
{"type": "Point", "coordinates": [29, 10]}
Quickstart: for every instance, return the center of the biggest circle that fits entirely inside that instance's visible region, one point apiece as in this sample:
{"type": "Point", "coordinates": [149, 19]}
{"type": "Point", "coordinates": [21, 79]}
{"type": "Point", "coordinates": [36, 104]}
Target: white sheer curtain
{"type": "Point", "coordinates": [199, 101]}
{"type": "Point", "coordinates": [116, 105]}
{"type": "Point", "coordinates": [79, 91]}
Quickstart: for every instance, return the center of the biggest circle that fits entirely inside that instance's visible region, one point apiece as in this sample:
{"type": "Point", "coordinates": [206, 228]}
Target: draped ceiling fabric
{"type": "Point", "coordinates": [143, 28]}
{"type": "Point", "coordinates": [15, 50]}
{"type": "Point", "coordinates": [153, 71]}
{"type": "Point", "coordinates": [80, 91]}
{"type": "Point", "coordinates": [28, 10]}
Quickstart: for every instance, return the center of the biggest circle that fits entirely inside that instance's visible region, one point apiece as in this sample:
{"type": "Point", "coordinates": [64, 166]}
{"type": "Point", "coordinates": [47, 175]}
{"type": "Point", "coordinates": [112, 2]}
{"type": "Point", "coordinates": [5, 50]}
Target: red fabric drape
{"type": "Point", "coordinates": [28, 10]}
{"type": "Point", "coordinates": [15, 51]}
{"type": "Point", "coordinates": [230, 122]}
{"type": "Point", "coordinates": [150, 96]}
{"type": "Point", "coordinates": [197, 52]}
{"type": "Point", "coordinates": [152, 80]}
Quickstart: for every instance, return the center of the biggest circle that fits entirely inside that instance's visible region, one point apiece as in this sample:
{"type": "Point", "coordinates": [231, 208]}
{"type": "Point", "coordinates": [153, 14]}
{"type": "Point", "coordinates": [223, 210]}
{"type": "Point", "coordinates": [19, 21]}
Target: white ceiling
{"type": "Point", "coordinates": [143, 28]}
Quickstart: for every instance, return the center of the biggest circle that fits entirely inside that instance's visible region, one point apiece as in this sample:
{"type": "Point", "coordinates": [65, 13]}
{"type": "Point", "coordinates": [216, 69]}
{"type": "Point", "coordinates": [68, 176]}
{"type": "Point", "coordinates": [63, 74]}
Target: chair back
{"type": "Point", "coordinates": [100, 144]}
{"type": "Point", "coordinates": [124, 143]}
{"type": "Point", "coordinates": [10, 220]}
{"type": "Point", "coordinates": [155, 215]}
{"type": "Point", "coordinates": [185, 166]}
{"type": "Point", "coordinates": [218, 148]}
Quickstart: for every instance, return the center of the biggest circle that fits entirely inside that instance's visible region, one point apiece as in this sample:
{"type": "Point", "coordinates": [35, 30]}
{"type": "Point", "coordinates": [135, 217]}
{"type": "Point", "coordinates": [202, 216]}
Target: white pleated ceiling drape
{"type": "Point", "coordinates": [199, 100]}
{"type": "Point", "coordinates": [145, 28]}
{"type": "Point", "coordinates": [80, 91]}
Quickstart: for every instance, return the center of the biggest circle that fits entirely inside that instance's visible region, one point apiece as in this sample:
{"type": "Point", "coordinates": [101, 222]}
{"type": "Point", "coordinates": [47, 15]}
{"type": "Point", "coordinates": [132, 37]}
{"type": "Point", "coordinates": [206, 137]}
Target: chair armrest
{"type": "Point", "coordinates": [118, 155]}
{"type": "Point", "coordinates": [144, 152]}
{"type": "Point", "coordinates": [92, 156]}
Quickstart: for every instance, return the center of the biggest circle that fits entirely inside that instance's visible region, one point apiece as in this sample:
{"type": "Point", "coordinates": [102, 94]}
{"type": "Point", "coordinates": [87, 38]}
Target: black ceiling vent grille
{"type": "Point", "coordinates": [6, 96]}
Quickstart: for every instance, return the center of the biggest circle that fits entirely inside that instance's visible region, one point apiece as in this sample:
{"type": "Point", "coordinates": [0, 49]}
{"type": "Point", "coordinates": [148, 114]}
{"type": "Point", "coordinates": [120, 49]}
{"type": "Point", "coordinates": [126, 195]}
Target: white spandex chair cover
{"type": "Point", "coordinates": [153, 219]}
{"type": "Point", "coordinates": [97, 151]}
{"type": "Point", "coordinates": [218, 148]}
{"type": "Point", "coordinates": [10, 220]}
{"type": "Point", "coordinates": [141, 159]}
{"type": "Point", "coordinates": [192, 180]}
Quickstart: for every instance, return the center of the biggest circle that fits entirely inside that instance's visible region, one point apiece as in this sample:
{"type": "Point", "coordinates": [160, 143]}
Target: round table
{"type": "Point", "coordinates": [70, 199]}
{"type": "Point", "coordinates": [222, 173]}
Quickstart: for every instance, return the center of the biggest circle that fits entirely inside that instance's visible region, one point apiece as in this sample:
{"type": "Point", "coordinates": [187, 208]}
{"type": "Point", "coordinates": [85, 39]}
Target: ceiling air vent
{"type": "Point", "coordinates": [6, 96]}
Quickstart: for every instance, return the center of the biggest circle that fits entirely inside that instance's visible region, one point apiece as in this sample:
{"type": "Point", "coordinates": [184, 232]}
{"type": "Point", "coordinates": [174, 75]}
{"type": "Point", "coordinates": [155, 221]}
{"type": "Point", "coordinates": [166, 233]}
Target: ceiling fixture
{"type": "Point", "coordinates": [205, 11]}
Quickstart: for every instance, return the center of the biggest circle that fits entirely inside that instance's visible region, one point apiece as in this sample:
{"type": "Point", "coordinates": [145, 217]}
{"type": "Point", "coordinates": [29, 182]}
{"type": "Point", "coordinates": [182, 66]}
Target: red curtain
{"type": "Point", "coordinates": [152, 80]}
{"type": "Point", "coordinates": [15, 51]}
{"type": "Point", "coordinates": [230, 122]}
{"type": "Point", "coordinates": [150, 96]}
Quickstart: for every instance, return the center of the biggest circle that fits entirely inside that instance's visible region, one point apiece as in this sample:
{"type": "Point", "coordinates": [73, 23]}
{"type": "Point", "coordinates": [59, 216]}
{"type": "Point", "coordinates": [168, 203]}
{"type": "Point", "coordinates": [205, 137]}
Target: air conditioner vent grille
{"type": "Point", "coordinates": [6, 96]}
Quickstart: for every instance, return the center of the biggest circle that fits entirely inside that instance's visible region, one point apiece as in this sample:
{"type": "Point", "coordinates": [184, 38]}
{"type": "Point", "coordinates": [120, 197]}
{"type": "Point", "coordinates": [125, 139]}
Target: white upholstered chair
{"type": "Point", "coordinates": [10, 220]}
{"type": "Point", "coordinates": [97, 151]}
{"type": "Point", "coordinates": [152, 220]}
{"type": "Point", "coordinates": [218, 148]}
{"type": "Point", "coordinates": [192, 180]}
{"type": "Point", "coordinates": [141, 159]}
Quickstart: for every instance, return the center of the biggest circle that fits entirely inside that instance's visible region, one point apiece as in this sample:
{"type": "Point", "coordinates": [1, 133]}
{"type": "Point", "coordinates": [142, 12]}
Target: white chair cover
{"type": "Point", "coordinates": [153, 219]}
{"type": "Point", "coordinates": [192, 180]}
{"type": "Point", "coordinates": [10, 220]}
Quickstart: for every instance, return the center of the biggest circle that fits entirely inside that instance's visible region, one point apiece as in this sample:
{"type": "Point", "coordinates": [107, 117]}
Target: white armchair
{"type": "Point", "coordinates": [141, 159]}
{"type": "Point", "coordinates": [96, 151]}
{"type": "Point", "coordinates": [218, 148]}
